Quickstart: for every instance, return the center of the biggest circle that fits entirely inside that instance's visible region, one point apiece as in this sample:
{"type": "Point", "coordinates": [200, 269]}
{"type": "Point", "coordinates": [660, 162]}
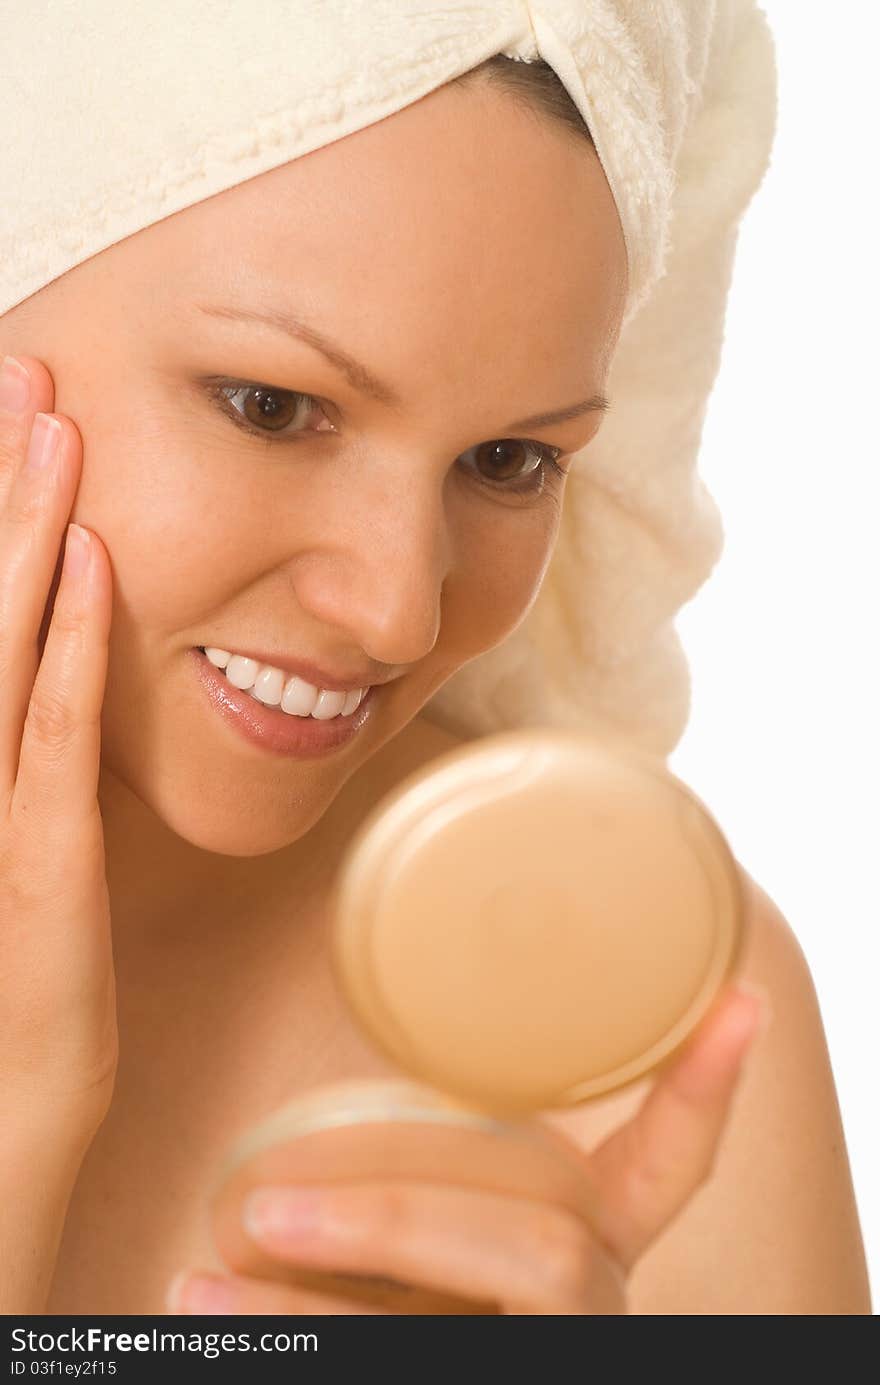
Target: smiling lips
{"type": "Point", "coordinates": [315, 731]}
{"type": "Point", "coordinates": [276, 688]}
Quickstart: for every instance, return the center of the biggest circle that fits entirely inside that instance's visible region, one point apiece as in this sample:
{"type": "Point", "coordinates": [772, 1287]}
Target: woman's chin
{"type": "Point", "coordinates": [211, 819]}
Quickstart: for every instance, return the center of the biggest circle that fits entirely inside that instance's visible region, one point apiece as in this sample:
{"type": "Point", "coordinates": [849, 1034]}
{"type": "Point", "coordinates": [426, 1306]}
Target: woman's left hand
{"type": "Point", "coordinates": [528, 1256]}
{"type": "Point", "coordinates": [525, 1256]}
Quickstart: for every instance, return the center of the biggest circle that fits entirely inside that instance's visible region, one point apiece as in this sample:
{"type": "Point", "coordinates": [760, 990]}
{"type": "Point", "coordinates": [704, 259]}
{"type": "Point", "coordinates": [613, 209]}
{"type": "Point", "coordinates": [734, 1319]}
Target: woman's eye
{"type": "Point", "coordinates": [516, 464]}
{"type": "Point", "coordinates": [266, 409]}
{"type": "Point", "coordinates": [510, 465]}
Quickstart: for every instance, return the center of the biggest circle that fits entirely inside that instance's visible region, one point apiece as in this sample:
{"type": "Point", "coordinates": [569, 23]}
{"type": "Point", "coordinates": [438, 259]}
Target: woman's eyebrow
{"type": "Point", "coordinates": [362, 379]}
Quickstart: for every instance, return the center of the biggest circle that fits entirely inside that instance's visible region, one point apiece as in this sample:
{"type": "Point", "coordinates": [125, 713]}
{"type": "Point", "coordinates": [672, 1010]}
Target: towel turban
{"type": "Point", "coordinates": [120, 114]}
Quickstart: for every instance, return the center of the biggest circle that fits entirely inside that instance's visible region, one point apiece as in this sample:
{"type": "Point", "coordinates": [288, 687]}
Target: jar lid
{"type": "Point", "coordinates": [535, 918]}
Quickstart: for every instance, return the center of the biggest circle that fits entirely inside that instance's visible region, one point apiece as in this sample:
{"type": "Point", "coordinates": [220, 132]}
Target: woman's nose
{"type": "Point", "coordinates": [376, 573]}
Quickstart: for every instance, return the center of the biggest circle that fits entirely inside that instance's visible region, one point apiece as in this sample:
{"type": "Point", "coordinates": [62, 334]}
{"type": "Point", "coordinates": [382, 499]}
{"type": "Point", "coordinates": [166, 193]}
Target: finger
{"type": "Point", "coordinates": [18, 404]}
{"type": "Point", "coordinates": [523, 1254]}
{"type": "Point", "coordinates": [647, 1170]}
{"type": "Point", "coordinates": [59, 764]}
{"type": "Point", "coordinates": [33, 511]}
{"type": "Point", "coordinates": [201, 1293]}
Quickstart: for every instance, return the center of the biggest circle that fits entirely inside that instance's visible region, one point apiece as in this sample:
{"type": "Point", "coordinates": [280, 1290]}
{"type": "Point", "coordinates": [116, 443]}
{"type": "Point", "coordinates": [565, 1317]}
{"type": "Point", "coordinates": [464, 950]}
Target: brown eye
{"type": "Point", "coordinates": [506, 460]}
{"type": "Point", "coordinates": [266, 409]}
{"type": "Point", "coordinates": [515, 464]}
{"type": "Point", "coordinates": [269, 408]}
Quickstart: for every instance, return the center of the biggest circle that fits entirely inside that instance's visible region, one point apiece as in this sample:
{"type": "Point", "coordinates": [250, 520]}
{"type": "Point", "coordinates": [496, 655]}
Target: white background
{"type": "Point", "coordinates": [782, 744]}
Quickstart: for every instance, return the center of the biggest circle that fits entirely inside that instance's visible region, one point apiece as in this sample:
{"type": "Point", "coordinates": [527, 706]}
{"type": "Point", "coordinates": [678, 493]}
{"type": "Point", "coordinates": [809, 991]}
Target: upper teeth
{"type": "Point", "coordinates": [277, 688]}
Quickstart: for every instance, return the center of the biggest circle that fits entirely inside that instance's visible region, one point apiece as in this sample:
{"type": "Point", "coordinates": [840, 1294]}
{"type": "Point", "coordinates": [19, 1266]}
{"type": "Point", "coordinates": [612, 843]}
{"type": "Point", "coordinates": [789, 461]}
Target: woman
{"type": "Point", "coordinates": [285, 402]}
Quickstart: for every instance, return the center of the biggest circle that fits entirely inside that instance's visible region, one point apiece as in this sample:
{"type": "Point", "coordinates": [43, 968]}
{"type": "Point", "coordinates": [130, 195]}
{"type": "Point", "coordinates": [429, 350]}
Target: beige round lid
{"type": "Point", "coordinates": [535, 918]}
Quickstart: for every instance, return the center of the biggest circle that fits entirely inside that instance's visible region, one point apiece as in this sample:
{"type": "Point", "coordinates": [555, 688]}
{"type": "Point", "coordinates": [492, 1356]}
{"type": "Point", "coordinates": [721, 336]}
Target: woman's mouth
{"type": "Point", "coordinates": [269, 727]}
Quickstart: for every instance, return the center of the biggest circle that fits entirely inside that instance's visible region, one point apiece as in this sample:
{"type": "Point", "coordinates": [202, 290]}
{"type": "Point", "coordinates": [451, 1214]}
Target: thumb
{"type": "Point", "coordinates": [647, 1171]}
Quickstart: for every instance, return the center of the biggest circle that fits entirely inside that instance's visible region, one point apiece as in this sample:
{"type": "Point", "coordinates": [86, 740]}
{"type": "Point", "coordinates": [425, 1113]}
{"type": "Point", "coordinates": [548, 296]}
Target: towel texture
{"type": "Point", "coordinates": [117, 115]}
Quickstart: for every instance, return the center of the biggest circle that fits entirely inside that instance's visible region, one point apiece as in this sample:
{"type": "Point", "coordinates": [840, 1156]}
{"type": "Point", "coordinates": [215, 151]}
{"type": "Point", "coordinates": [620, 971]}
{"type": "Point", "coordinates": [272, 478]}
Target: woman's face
{"type": "Point", "coordinates": [470, 256]}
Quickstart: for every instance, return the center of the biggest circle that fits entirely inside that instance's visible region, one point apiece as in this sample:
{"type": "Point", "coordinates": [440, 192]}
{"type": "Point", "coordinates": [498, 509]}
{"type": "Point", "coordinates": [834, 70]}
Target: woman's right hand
{"type": "Point", "coordinates": [58, 1034]}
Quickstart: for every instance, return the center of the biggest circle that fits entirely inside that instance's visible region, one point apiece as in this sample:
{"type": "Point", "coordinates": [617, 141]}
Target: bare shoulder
{"type": "Point", "coordinates": [774, 1231]}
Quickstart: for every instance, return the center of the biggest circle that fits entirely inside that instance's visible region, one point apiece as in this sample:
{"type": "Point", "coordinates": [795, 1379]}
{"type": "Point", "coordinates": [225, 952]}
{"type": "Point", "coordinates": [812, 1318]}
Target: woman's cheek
{"type": "Point", "coordinates": [505, 567]}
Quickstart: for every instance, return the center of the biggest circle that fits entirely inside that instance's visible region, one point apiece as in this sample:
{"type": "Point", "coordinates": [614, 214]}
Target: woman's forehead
{"type": "Point", "coordinates": [414, 201]}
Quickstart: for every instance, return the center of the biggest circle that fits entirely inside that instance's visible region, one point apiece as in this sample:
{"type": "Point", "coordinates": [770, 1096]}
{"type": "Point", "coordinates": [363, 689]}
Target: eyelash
{"type": "Point", "coordinates": [219, 390]}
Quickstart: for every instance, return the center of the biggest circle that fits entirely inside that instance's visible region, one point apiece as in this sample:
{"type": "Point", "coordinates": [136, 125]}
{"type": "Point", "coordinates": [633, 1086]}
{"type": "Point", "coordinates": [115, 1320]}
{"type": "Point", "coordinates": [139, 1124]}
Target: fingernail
{"type": "Point", "coordinates": [15, 386]}
{"type": "Point", "coordinates": [272, 1214]}
{"type": "Point", "coordinates": [173, 1294]}
{"type": "Point", "coordinates": [758, 1001]}
{"type": "Point", "coordinates": [44, 440]}
{"type": "Point", "coordinates": [199, 1293]}
{"type": "Point", "coordinates": [77, 551]}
